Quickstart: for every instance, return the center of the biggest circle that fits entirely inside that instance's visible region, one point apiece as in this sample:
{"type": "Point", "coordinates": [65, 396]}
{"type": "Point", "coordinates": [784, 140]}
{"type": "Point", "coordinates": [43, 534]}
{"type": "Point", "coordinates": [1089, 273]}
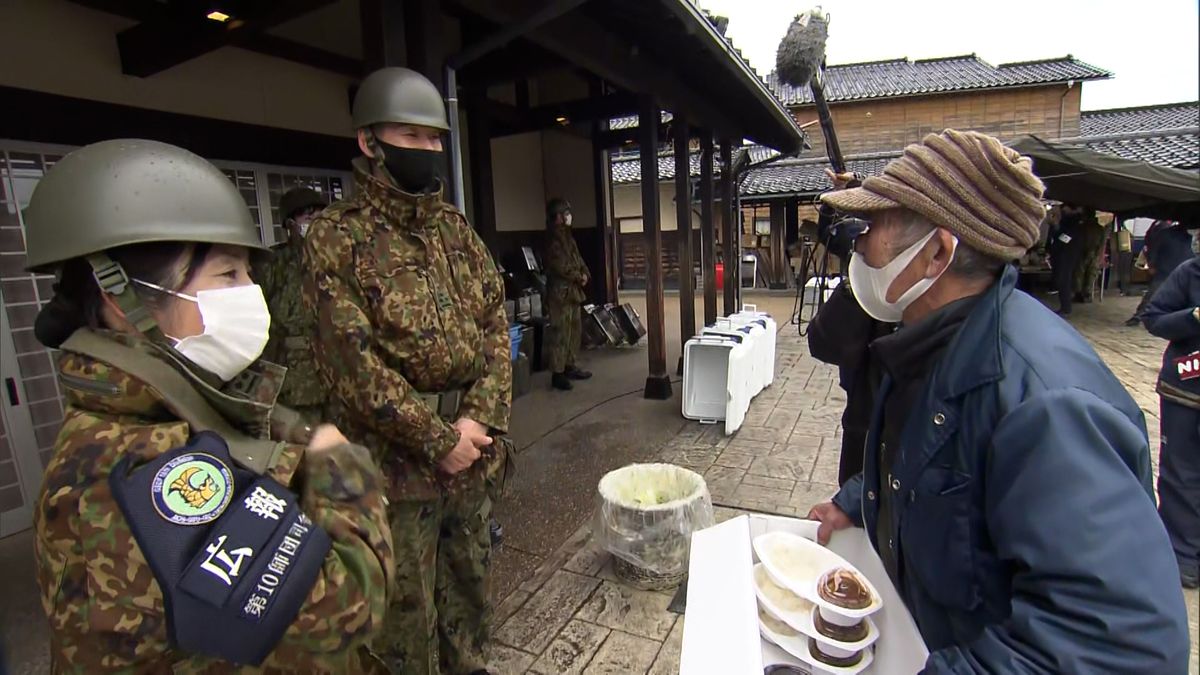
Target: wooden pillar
{"type": "Point", "coordinates": [383, 34]}
{"type": "Point", "coordinates": [683, 217]}
{"type": "Point", "coordinates": [733, 271]}
{"type": "Point", "coordinates": [658, 383]}
{"type": "Point", "coordinates": [791, 222]}
{"type": "Point", "coordinates": [479, 142]}
{"type": "Point", "coordinates": [603, 285]}
{"type": "Point", "coordinates": [708, 233]}
{"type": "Point", "coordinates": [779, 261]}
{"type": "Point", "coordinates": [425, 46]}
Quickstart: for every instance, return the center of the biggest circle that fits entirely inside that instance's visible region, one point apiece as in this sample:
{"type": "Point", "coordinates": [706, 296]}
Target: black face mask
{"type": "Point", "coordinates": [415, 171]}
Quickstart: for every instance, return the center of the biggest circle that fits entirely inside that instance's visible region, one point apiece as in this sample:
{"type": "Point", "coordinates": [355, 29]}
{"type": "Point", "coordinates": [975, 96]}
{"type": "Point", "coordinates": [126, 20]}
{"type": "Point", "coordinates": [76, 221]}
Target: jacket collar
{"type": "Point", "coordinates": [246, 401]}
{"type": "Point", "coordinates": [399, 208]}
{"type": "Point", "coordinates": [973, 358]}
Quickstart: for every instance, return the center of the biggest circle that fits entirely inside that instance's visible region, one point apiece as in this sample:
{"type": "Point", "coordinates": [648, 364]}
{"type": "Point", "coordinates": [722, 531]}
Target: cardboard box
{"type": "Point", "coordinates": [720, 630]}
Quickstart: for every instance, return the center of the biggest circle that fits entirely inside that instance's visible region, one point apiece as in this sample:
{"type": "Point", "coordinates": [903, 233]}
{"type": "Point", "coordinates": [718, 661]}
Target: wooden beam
{"type": "Point", "coordinates": [658, 383]}
{"type": "Point", "coordinates": [708, 234]}
{"type": "Point", "coordinates": [28, 115]}
{"type": "Point", "coordinates": [683, 218]}
{"type": "Point", "coordinates": [514, 62]}
{"type": "Point", "coordinates": [153, 46]}
{"type": "Point", "coordinates": [621, 138]}
{"type": "Point", "coordinates": [588, 109]}
{"type": "Point", "coordinates": [733, 272]}
{"type": "Point", "coordinates": [581, 41]}
{"type": "Point", "coordinates": [298, 52]}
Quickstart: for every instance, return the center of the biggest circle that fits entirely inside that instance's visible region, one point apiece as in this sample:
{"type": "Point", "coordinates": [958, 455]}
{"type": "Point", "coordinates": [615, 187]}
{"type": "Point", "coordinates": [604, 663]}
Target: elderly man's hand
{"type": "Point", "coordinates": [839, 180]}
{"type": "Point", "coordinates": [832, 519]}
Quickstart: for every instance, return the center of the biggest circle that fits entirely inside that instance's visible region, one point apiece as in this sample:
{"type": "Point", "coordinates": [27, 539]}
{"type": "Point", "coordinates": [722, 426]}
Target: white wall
{"type": "Point", "coordinates": [530, 169]}
{"type": "Point", "coordinates": [61, 48]}
{"type": "Point", "coordinates": [570, 174]}
{"type": "Point", "coordinates": [518, 183]}
{"type": "Point", "coordinates": [627, 202]}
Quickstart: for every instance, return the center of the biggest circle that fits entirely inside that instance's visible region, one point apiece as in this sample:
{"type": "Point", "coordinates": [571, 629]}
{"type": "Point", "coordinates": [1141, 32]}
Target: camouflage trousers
{"type": "Point", "coordinates": [438, 617]}
{"type": "Point", "coordinates": [1087, 271]}
{"type": "Point", "coordinates": [565, 333]}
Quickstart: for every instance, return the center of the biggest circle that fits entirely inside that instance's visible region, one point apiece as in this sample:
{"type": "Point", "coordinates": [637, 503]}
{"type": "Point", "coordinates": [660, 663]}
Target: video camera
{"type": "Point", "coordinates": [838, 237]}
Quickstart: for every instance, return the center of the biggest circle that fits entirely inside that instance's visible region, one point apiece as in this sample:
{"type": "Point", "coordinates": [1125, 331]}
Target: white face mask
{"type": "Point", "coordinates": [304, 229]}
{"type": "Point", "coordinates": [237, 326]}
{"type": "Point", "coordinates": [871, 284]}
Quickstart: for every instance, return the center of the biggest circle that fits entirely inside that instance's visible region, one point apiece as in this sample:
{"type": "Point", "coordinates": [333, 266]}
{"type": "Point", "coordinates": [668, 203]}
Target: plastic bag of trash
{"type": "Point", "coordinates": [645, 519]}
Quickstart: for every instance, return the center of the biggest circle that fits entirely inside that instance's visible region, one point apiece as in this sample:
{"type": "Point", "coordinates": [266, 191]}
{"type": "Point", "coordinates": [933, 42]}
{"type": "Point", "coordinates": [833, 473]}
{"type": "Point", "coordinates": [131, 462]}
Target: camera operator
{"type": "Point", "coordinates": [840, 333]}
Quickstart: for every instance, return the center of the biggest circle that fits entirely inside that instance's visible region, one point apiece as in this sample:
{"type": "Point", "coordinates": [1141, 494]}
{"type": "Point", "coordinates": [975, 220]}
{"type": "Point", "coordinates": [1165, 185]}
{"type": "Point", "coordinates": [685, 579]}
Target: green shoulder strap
{"type": "Point", "coordinates": [180, 396]}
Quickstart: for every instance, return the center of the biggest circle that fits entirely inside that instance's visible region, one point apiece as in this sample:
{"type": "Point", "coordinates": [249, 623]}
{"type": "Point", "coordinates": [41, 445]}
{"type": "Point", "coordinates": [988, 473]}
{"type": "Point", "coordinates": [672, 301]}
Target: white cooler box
{"type": "Point", "coordinates": [811, 286]}
{"type": "Point", "coordinates": [750, 316]}
{"type": "Point", "coordinates": [720, 630]}
{"type": "Point", "coordinates": [716, 379]}
{"type": "Point", "coordinates": [753, 335]}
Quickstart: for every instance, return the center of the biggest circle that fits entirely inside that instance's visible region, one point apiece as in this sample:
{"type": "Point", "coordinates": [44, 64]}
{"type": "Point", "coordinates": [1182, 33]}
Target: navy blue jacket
{"type": "Point", "coordinates": [1168, 247]}
{"type": "Point", "coordinates": [1169, 316]}
{"type": "Point", "coordinates": [1025, 525]}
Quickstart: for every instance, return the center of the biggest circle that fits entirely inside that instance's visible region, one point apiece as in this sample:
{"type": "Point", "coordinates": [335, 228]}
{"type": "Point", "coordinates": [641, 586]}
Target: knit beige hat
{"type": "Point", "coordinates": [966, 182]}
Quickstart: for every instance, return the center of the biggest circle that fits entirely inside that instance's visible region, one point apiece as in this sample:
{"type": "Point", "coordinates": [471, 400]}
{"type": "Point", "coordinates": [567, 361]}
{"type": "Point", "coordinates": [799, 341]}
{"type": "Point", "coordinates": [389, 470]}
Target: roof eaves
{"type": "Point", "coordinates": [688, 8]}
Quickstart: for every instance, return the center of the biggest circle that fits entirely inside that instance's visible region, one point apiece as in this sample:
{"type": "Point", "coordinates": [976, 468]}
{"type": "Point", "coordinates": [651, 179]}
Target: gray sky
{"type": "Point", "coordinates": [1151, 46]}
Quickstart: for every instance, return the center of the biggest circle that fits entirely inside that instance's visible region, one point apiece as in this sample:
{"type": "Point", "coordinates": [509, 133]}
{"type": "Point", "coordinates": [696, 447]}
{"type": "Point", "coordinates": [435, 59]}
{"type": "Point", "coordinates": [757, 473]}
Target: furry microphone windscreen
{"type": "Point", "coordinates": [802, 50]}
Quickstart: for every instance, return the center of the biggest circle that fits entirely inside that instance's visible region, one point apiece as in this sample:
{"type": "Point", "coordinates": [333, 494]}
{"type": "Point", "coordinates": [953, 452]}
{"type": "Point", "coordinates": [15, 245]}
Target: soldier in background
{"type": "Point", "coordinates": [412, 341]}
{"type": "Point", "coordinates": [293, 323]}
{"type": "Point", "coordinates": [566, 280]}
{"type": "Point", "coordinates": [1092, 256]}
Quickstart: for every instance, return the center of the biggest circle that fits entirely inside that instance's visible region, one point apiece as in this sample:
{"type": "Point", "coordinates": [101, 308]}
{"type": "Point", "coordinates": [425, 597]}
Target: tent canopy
{"type": "Point", "coordinates": [1107, 183]}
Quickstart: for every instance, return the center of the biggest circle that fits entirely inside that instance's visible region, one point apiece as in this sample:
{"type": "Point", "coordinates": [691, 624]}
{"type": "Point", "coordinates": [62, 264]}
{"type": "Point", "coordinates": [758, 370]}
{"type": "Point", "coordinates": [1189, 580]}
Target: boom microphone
{"type": "Point", "coordinates": [801, 53]}
{"type": "Point", "coordinates": [800, 61]}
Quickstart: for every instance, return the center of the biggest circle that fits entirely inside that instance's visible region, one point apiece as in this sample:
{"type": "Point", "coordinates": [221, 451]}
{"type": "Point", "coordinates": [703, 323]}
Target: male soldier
{"type": "Point", "coordinates": [412, 341]}
{"type": "Point", "coordinates": [292, 321]}
{"type": "Point", "coordinates": [566, 278]}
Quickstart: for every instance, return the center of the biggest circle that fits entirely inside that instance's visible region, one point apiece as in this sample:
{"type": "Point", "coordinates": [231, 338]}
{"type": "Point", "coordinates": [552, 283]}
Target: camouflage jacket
{"type": "Point", "coordinates": [566, 271]}
{"type": "Point", "coordinates": [408, 302]}
{"type": "Point", "coordinates": [104, 604]}
{"type": "Point", "coordinates": [293, 323]}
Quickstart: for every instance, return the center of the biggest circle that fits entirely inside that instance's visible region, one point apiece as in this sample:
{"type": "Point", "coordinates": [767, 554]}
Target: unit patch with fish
{"type": "Point", "coordinates": [192, 489]}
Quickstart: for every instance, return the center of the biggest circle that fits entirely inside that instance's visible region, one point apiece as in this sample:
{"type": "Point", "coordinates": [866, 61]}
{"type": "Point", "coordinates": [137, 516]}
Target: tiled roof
{"type": "Point", "coordinates": [1144, 118]}
{"type": "Point", "coordinates": [629, 169]}
{"type": "Point", "coordinates": [806, 176]}
{"type": "Point", "coordinates": [631, 121]}
{"type": "Point", "coordinates": [1179, 149]}
{"type": "Point", "coordinates": [902, 77]}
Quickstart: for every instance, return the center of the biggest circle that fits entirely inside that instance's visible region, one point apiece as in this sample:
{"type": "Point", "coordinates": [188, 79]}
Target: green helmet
{"type": "Point", "coordinates": [129, 191]}
{"type": "Point", "coordinates": [297, 199]}
{"type": "Point", "coordinates": [556, 206]}
{"type": "Point", "coordinates": [401, 96]}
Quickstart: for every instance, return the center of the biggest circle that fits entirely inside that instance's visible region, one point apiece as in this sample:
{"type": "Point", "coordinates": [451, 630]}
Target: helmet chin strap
{"type": "Point", "coordinates": [377, 156]}
{"type": "Point", "coordinates": [112, 279]}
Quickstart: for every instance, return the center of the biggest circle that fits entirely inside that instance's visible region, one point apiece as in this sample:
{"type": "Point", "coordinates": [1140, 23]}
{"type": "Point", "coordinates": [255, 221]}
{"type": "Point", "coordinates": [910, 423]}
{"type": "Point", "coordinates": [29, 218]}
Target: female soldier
{"type": "Point", "coordinates": [172, 533]}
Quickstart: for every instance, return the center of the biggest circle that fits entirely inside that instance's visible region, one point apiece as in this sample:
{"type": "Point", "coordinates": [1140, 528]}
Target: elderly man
{"type": "Point", "coordinates": [1007, 476]}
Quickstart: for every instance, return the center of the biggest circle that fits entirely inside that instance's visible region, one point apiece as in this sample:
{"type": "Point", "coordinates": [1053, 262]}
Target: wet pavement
{"type": "Point", "coordinates": [560, 608]}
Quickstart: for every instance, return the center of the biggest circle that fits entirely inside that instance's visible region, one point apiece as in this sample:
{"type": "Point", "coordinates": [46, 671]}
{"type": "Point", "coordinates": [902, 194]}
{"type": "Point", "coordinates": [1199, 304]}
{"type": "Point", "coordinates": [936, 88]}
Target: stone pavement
{"type": "Point", "coordinates": [573, 616]}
